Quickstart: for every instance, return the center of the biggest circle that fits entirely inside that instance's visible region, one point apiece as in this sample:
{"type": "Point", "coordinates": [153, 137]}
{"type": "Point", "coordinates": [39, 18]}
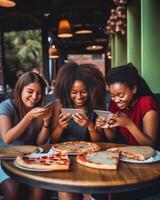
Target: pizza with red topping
{"type": "Point", "coordinates": [99, 160]}
{"type": "Point", "coordinates": [58, 161]}
{"type": "Point", "coordinates": [76, 147]}
{"type": "Point", "coordinates": [134, 152]}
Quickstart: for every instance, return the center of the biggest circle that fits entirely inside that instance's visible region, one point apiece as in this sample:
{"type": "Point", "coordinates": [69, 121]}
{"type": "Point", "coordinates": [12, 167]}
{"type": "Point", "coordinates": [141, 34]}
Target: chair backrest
{"type": "Point", "coordinates": [3, 97]}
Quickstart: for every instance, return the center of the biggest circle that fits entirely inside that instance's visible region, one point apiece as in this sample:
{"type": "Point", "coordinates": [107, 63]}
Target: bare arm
{"type": "Point", "coordinates": [10, 133]}
{"type": "Point", "coordinates": [45, 131]}
{"type": "Point", "coordinates": [56, 128]}
{"type": "Point", "coordinates": [109, 133]}
{"type": "Point", "coordinates": [148, 135]}
{"type": "Point", "coordinates": [95, 135]}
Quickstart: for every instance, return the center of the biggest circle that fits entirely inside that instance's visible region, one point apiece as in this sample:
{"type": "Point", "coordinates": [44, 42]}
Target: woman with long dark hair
{"type": "Point", "coordinates": [135, 108]}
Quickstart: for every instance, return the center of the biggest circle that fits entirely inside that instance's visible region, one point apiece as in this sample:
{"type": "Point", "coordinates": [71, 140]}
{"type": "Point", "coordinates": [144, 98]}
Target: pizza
{"type": "Point", "coordinates": [58, 161]}
{"type": "Point", "coordinates": [99, 160]}
{"type": "Point", "coordinates": [134, 152]}
{"type": "Point", "coordinates": [14, 151]}
{"type": "Point", "coordinates": [76, 147]}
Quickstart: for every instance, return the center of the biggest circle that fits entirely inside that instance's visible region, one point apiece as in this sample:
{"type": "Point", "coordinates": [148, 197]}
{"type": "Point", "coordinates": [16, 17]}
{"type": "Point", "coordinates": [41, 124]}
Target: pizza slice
{"type": "Point", "coordinates": [14, 151]}
{"type": "Point", "coordinates": [76, 147]}
{"type": "Point", "coordinates": [58, 161]}
{"type": "Point", "coordinates": [99, 160]}
{"type": "Point", "coordinates": [134, 152]}
{"type": "Point", "coordinates": [66, 147]}
{"type": "Point", "coordinates": [86, 146]}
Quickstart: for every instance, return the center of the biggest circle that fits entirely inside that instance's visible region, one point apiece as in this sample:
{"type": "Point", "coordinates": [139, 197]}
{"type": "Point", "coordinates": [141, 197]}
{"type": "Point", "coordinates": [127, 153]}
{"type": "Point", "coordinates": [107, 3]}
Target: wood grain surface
{"type": "Point", "coordinates": [79, 178]}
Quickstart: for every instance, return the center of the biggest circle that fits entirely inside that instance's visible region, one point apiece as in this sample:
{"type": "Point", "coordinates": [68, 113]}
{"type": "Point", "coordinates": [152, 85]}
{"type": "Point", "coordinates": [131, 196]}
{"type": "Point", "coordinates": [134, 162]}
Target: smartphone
{"type": "Point", "coordinates": [48, 105]}
{"type": "Point", "coordinates": [71, 111]}
{"type": "Point", "coordinates": [103, 114]}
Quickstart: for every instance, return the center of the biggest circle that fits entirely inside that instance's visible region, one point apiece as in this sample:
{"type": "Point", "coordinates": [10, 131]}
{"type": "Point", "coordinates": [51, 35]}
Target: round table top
{"type": "Point", "coordinates": [79, 178]}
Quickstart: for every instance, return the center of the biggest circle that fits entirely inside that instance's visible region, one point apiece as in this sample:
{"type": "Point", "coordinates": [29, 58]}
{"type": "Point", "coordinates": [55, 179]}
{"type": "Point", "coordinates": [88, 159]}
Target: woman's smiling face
{"type": "Point", "coordinates": [121, 94]}
{"type": "Point", "coordinates": [79, 94]}
{"type": "Point", "coordinates": [31, 94]}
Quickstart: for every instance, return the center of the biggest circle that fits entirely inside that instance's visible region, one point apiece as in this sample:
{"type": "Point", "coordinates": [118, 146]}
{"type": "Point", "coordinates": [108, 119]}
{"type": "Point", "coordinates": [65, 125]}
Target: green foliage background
{"type": "Point", "coordinates": [23, 51]}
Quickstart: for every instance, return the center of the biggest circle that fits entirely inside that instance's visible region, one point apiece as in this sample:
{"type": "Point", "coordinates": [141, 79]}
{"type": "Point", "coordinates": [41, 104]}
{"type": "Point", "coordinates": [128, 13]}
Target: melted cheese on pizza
{"type": "Point", "coordinates": [102, 158]}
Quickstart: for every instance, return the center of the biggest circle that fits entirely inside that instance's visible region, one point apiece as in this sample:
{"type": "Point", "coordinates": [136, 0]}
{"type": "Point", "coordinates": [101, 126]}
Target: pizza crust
{"type": "Point", "coordinates": [14, 151]}
{"type": "Point", "coordinates": [99, 160]}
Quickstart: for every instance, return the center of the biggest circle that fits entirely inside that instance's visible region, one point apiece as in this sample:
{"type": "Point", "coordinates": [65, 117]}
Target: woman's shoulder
{"type": "Point", "coordinates": [6, 106]}
{"type": "Point", "coordinates": [147, 103]}
{"type": "Point", "coordinates": [6, 102]}
{"type": "Point", "coordinates": [146, 100]}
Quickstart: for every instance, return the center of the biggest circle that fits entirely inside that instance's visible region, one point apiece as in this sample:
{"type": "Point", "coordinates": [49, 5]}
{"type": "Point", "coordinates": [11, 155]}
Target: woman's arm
{"type": "Point", "coordinates": [58, 122]}
{"type": "Point", "coordinates": [45, 131]}
{"type": "Point", "coordinates": [103, 124]}
{"type": "Point", "coordinates": [95, 134]}
{"type": "Point", "coordinates": [9, 133]}
{"type": "Point", "coordinates": [148, 135]}
{"type": "Point", "coordinates": [56, 134]}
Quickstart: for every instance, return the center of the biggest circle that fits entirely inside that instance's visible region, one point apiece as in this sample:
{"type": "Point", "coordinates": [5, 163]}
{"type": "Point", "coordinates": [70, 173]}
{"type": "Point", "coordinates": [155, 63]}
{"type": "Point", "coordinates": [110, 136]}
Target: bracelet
{"type": "Point", "coordinates": [45, 126]}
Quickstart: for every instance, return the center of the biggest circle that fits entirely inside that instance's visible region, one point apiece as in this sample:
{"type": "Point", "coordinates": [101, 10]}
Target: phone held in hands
{"type": "Point", "coordinates": [104, 114]}
{"type": "Point", "coordinates": [107, 115]}
{"type": "Point", "coordinates": [71, 111]}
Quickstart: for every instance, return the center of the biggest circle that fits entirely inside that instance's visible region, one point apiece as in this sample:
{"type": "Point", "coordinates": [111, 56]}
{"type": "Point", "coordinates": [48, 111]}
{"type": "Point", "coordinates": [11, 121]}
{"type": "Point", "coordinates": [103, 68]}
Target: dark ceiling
{"type": "Point", "coordinates": [33, 14]}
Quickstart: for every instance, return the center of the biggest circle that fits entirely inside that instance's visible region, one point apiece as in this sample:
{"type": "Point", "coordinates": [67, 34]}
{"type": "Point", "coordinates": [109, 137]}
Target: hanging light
{"type": "Point", "coordinates": [7, 3]}
{"type": "Point", "coordinates": [94, 47]}
{"type": "Point", "coordinates": [53, 52]}
{"type": "Point", "coordinates": [84, 31]}
{"type": "Point", "coordinates": [64, 30]}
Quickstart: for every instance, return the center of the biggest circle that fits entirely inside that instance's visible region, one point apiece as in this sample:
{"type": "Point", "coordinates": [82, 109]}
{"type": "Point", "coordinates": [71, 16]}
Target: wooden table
{"type": "Point", "coordinates": [83, 179]}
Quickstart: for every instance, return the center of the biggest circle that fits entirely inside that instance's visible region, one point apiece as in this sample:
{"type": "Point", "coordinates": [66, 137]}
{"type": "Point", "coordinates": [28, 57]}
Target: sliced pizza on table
{"type": "Point", "coordinates": [134, 152]}
{"type": "Point", "coordinates": [76, 147]}
{"type": "Point", "coordinates": [99, 160]}
{"type": "Point", "coordinates": [58, 161]}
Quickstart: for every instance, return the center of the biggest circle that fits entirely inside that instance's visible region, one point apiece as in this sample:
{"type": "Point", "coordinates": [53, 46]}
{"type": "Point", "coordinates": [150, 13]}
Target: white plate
{"type": "Point", "coordinates": [40, 150]}
{"type": "Point", "coordinates": [29, 169]}
{"type": "Point", "coordinates": [153, 159]}
{"type": "Point", "coordinates": [36, 155]}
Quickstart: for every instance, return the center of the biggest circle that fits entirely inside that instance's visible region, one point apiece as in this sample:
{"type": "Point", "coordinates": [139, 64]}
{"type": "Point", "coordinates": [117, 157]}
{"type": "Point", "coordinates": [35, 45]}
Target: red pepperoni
{"type": "Point", "coordinates": [44, 157]}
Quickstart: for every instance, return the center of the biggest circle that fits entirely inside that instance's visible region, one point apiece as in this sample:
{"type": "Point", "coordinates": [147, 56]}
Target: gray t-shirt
{"type": "Point", "coordinates": [30, 134]}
